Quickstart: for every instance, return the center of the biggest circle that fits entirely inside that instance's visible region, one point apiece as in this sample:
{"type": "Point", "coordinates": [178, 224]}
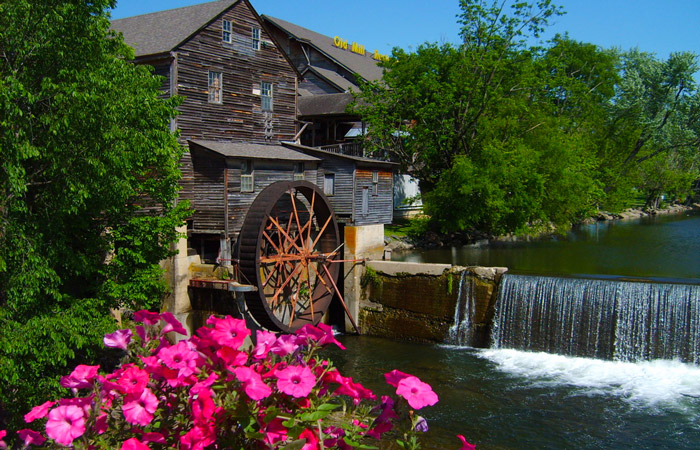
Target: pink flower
{"type": "Point", "coordinates": [264, 340]}
{"type": "Point", "coordinates": [65, 424]}
{"type": "Point", "coordinates": [81, 377]}
{"type": "Point", "coordinates": [173, 325]}
{"type": "Point", "coordinates": [118, 339]}
{"type": "Point", "coordinates": [179, 357]}
{"type": "Point", "coordinates": [133, 444]}
{"type": "Point", "coordinates": [203, 407]}
{"type": "Point", "coordinates": [285, 345]}
{"type": "Point", "coordinates": [147, 317]}
{"type": "Point", "coordinates": [229, 331]}
{"type": "Point", "coordinates": [3, 433]}
{"type": "Point", "coordinates": [275, 432]}
{"type": "Point", "coordinates": [465, 445]}
{"type": "Point", "coordinates": [311, 440]}
{"type": "Point", "coordinates": [197, 438]}
{"type": "Point", "coordinates": [395, 376]}
{"type": "Point", "coordinates": [31, 437]}
{"type": "Point", "coordinates": [253, 383]}
{"type": "Point", "coordinates": [138, 410]}
{"type": "Point", "coordinates": [38, 412]}
{"type": "Point", "coordinates": [417, 393]}
{"type": "Point", "coordinates": [84, 403]}
{"type": "Point", "coordinates": [232, 358]}
{"type": "Point", "coordinates": [101, 424]}
{"type": "Point", "coordinates": [323, 334]}
{"type": "Point", "coordinates": [296, 381]}
{"type": "Point", "coordinates": [132, 380]}
{"type": "Point", "coordinates": [153, 436]}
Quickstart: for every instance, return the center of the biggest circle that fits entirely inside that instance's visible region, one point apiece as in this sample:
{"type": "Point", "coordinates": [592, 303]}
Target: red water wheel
{"type": "Point", "coordinates": [287, 242]}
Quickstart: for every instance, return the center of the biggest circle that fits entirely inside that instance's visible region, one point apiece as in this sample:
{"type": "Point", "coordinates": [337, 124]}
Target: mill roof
{"type": "Point", "coordinates": [245, 150]}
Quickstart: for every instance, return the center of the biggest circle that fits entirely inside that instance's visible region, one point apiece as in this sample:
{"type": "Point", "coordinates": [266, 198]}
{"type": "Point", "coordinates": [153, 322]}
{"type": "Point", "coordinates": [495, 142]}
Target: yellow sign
{"type": "Point", "coordinates": [357, 48]}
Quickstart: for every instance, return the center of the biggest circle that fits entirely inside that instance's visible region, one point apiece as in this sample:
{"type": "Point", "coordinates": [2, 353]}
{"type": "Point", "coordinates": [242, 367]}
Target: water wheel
{"type": "Point", "coordinates": [287, 242]}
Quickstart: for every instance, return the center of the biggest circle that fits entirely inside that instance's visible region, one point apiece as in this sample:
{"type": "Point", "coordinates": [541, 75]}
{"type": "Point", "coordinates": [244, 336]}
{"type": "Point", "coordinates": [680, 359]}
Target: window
{"type": "Point", "coordinates": [215, 82]}
{"type": "Point", "coordinates": [247, 182]}
{"type": "Point", "coordinates": [266, 94]}
{"type": "Point", "coordinates": [298, 171]}
{"type": "Point", "coordinates": [226, 31]}
{"type": "Point", "coordinates": [365, 201]}
{"type": "Point", "coordinates": [256, 38]}
{"type": "Point", "coordinates": [329, 184]}
{"type": "Point", "coordinates": [375, 183]}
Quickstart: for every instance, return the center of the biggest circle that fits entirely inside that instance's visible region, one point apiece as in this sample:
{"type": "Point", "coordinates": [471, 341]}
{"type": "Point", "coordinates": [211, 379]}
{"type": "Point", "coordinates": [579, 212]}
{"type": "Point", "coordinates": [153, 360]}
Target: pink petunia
{"type": "Point", "coordinates": [253, 384]}
{"type": "Point", "coordinates": [118, 339]}
{"type": "Point", "coordinates": [154, 437]}
{"type": "Point", "coordinates": [395, 376]}
{"type": "Point", "coordinates": [147, 317]}
{"type": "Point", "coordinates": [275, 432]}
{"type": "Point", "coordinates": [3, 444]}
{"type": "Point", "coordinates": [203, 407]}
{"type": "Point", "coordinates": [138, 410]}
{"type": "Point", "coordinates": [229, 331]}
{"type": "Point", "coordinates": [84, 403]}
{"type": "Point", "coordinates": [296, 381]}
{"type": "Point", "coordinates": [38, 412]}
{"type": "Point", "coordinates": [198, 438]}
{"type": "Point", "coordinates": [465, 445]}
{"type": "Point", "coordinates": [285, 345]}
{"type": "Point", "coordinates": [82, 377]}
{"type": "Point", "coordinates": [101, 424]}
{"type": "Point", "coordinates": [132, 380]}
{"type": "Point", "coordinates": [311, 440]}
{"type": "Point", "coordinates": [65, 424]}
{"type": "Point", "coordinates": [31, 437]}
{"type": "Point", "coordinates": [232, 358]}
{"type": "Point", "coordinates": [179, 357]}
{"type": "Point", "coordinates": [133, 444]}
{"type": "Point", "coordinates": [172, 324]}
{"type": "Point", "coordinates": [417, 393]}
{"type": "Point", "coordinates": [322, 335]}
{"type": "Point", "coordinates": [264, 340]}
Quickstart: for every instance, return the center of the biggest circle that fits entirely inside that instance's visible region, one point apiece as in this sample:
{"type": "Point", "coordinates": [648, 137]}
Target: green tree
{"type": "Point", "coordinates": [88, 183]}
{"type": "Point", "coordinates": [653, 129]}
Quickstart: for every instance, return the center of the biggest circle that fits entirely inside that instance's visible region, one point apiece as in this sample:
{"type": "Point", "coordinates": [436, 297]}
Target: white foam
{"type": "Point", "coordinates": [661, 383]}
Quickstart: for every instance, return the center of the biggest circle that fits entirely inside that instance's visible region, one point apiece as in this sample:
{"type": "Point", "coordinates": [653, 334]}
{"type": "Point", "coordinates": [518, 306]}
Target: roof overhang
{"type": "Point", "coordinates": [245, 150]}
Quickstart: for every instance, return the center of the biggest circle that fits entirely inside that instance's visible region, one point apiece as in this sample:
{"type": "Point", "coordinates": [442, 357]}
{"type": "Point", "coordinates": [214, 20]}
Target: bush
{"type": "Point", "coordinates": [214, 391]}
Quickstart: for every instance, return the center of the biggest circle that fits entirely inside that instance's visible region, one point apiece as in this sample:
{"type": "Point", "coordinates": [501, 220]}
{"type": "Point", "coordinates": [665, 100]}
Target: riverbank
{"type": "Point", "coordinates": [397, 240]}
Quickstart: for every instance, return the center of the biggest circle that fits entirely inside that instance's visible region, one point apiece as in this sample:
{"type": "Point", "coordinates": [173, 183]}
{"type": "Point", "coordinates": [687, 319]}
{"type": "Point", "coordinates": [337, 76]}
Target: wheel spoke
{"type": "Point", "coordinates": [321, 232]}
{"type": "Point", "coordinates": [283, 231]}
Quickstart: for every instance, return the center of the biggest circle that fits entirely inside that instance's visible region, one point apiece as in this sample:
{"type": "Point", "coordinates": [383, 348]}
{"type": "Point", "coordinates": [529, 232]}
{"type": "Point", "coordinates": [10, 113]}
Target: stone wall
{"type": "Point", "coordinates": [417, 301]}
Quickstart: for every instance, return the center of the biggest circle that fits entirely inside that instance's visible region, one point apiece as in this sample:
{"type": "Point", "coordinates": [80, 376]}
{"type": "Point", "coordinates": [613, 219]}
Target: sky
{"type": "Point", "coordinates": [655, 26]}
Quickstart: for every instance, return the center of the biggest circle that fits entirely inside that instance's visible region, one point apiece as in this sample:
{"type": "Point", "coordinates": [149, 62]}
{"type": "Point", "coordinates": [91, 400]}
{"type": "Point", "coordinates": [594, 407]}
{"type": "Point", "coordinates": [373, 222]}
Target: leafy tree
{"type": "Point", "coordinates": [88, 183]}
{"type": "Point", "coordinates": [653, 129]}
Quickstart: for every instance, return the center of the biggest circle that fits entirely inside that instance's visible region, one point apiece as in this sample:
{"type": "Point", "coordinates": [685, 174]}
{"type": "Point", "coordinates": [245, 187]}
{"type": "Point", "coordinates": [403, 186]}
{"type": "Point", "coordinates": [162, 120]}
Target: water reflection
{"type": "Point", "coordinates": [665, 247]}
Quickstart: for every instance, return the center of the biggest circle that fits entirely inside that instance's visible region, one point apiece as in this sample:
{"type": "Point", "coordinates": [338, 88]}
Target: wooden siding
{"type": "Point", "coordinates": [342, 198]}
{"type": "Point", "coordinates": [207, 192]}
{"type": "Point", "coordinates": [380, 206]}
{"type": "Point", "coordinates": [240, 116]}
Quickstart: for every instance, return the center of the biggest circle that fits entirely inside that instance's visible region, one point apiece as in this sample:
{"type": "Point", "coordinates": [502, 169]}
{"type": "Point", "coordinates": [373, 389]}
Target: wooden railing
{"type": "Point", "coordinates": [347, 148]}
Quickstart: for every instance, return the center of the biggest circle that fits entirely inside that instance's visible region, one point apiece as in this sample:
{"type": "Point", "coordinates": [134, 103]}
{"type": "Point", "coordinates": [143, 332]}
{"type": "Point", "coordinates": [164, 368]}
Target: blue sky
{"type": "Point", "coordinates": [656, 26]}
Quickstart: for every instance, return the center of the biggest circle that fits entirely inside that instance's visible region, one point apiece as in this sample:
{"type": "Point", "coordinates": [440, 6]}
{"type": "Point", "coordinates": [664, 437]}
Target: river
{"type": "Point", "coordinates": [663, 246]}
{"type": "Point", "coordinates": [508, 399]}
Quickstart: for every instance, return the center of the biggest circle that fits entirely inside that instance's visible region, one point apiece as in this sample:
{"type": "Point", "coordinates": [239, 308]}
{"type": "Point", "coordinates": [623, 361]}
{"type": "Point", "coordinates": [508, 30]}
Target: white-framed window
{"type": "Point", "coordinates": [329, 184]}
{"type": "Point", "coordinates": [365, 201]}
{"type": "Point", "coordinates": [215, 87]}
{"type": "Point", "coordinates": [266, 96]}
{"type": "Point", "coordinates": [256, 38]}
{"type": "Point", "coordinates": [298, 171]}
{"type": "Point", "coordinates": [247, 181]}
{"type": "Point", "coordinates": [226, 31]}
{"type": "Point", "coordinates": [375, 183]}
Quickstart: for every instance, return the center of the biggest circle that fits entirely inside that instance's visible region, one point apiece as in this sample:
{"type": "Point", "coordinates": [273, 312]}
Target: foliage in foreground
{"type": "Point", "coordinates": [88, 183]}
{"type": "Point", "coordinates": [210, 391]}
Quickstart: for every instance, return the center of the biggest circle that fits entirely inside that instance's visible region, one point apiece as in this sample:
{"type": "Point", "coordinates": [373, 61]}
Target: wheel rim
{"type": "Point", "coordinates": [288, 240]}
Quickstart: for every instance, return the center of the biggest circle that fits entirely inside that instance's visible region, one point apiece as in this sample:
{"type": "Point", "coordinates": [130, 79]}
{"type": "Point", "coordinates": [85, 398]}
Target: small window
{"type": "Point", "coordinates": [247, 182]}
{"type": "Point", "coordinates": [299, 171]}
{"type": "Point", "coordinates": [266, 94]}
{"type": "Point", "coordinates": [375, 183]}
{"type": "Point", "coordinates": [215, 82]}
{"type": "Point", "coordinates": [256, 38]}
{"type": "Point", "coordinates": [329, 184]}
{"type": "Point", "coordinates": [365, 201]}
{"type": "Point", "coordinates": [226, 31]}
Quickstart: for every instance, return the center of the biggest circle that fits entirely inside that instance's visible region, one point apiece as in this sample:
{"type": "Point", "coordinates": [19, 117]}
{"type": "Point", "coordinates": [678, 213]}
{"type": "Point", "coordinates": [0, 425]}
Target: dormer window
{"type": "Point", "coordinates": [226, 31]}
{"type": "Point", "coordinates": [256, 38]}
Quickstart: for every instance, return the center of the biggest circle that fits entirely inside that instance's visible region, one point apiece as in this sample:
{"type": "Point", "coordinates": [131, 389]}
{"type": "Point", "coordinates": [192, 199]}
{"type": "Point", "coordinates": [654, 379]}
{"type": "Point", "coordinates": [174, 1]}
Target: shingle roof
{"type": "Point", "coordinates": [334, 78]}
{"type": "Point", "coordinates": [365, 66]}
{"type": "Point", "coordinates": [162, 31]}
{"type": "Point", "coordinates": [317, 105]}
{"type": "Point", "coordinates": [253, 151]}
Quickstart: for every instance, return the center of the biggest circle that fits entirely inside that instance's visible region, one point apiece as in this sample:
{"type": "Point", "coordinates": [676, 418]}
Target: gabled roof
{"type": "Point", "coordinates": [333, 78]}
{"type": "Point", "coordinates": [251, 151]}
{"type": "Point", "coordinates": [162, 31]}
{"type": "Point", "coordinates": [365, 66]}
{"type": "Point", "coordinates": [324, 104]}
{"type": "Point", "coordinates": [360, 161]}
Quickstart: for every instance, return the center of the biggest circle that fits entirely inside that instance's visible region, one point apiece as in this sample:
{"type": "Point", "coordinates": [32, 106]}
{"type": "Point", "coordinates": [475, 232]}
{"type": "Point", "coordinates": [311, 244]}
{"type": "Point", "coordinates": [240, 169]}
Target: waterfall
{"type": "Point", "coordinates": [620, 320]}
{"type": "Point", "coordinates": [460, 333]}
